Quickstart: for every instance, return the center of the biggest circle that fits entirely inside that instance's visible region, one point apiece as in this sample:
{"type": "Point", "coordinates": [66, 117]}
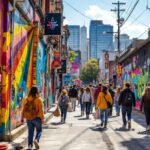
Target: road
{"type": "Point", "coordinates": [81, 134]}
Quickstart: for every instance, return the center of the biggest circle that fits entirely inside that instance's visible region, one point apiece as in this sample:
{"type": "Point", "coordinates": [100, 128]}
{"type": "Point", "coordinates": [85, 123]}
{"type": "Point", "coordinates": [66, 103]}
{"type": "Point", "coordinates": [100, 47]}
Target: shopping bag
{"type": "Point", "coordinates": [56, 113]}
{"type": "Point", "coordinates": [69, 107]}
{"type": "Point", "coordinates": [97, 114]}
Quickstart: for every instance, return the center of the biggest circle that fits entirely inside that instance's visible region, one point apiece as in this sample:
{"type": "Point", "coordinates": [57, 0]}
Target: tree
{"type": "Point", "coordinates": [89, 72]}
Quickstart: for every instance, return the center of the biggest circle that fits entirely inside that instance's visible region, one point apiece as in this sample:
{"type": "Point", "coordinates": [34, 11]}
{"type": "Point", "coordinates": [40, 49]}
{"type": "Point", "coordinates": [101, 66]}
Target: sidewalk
{"type": "Point", "coordinates": [19, 135]}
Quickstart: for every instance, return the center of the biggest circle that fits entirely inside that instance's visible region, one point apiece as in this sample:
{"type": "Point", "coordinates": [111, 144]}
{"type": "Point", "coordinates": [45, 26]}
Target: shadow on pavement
{"type": "Point", "coordinates": [83, 119]}
{"type": "Point", "coordinates": [97, 128]}
{"type": "Point", "coordinates": [78, 116]}
{"type": "Point", "coordinates": [144, 132]}
{"type": "Point", "coordinates": [136, 144]}
{"type": "Point", "coordinates": [124, 129]}
{"type": "Point", "coordinates": [56, 123]}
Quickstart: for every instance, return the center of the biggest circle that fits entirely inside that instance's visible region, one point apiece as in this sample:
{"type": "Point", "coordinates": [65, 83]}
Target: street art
{"type": "Point", "coordinates": [139, 78]}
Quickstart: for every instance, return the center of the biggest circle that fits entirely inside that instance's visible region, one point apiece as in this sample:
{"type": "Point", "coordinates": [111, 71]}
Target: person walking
{"type": "Point", "coordinates": [145, 105]}
{"type": "Point", "coordinates": [127, 100]}
{"type": "Point", "coordinates": [117, 95]}
{"type": "Point", "coordinates": [33, 113]}
{"type": "Point", "coordinates": [92, 89]}
{"type": "Point", "coordinates": [104, 98]}
{"type": "Point", "coordinates": [63, 104]}
{"type": "Point", "coordinates": [73, 95]}
{"type": "Point", "coordinates": [112, 93]}
{"type": "Point", "coordinates": [87, 99]}
{"type": "Point", "coordinates": [97, 91]}
{"type": "Point", "coordinates": [81, 100]}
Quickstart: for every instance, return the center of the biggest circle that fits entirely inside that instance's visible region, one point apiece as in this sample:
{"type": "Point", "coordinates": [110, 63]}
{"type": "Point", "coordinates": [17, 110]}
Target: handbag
{"type": "Point", "coordinates": [97, 114]}
{"type": "Point", "coordinates": [108, 103]}
{"type": "Point", "coordinates": [69, 107]}
{"type": "Point", "coordinates": [56, 113]}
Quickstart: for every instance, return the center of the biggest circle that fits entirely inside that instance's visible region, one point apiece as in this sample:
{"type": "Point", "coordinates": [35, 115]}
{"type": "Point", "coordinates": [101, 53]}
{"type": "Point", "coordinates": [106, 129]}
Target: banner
{"type": "Point", "coordinates": [53, 24]}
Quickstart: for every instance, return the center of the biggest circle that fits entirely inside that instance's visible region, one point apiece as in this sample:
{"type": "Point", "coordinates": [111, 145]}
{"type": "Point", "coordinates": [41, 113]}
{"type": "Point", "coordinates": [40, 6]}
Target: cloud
{"type": "Point", "coordinates": [99, 13]}
{"type": "Point", "coordinates": [66, 22]}
{"type": "Point", "coordinates": [108, 17]}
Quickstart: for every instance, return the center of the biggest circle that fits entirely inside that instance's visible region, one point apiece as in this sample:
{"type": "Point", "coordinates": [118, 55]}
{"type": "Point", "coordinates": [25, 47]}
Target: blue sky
{"type": "Point", "coordinates": [100, 9]}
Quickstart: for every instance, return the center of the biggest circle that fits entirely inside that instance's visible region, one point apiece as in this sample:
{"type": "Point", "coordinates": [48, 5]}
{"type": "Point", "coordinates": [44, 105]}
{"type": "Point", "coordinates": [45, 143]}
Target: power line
{"type": "Point", "coordinates": [142, 13]}
{"type": "Point", "coordinates": [143, 33]}
{"type": "Point", "coordinates": [77, 10]}
{"type": "Point", "coordinates": [131, 11]}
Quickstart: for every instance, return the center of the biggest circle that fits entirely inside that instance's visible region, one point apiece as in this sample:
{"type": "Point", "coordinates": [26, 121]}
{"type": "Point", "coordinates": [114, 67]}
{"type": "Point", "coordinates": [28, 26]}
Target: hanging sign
{"type": "Point", "coordinates": [53, 24]}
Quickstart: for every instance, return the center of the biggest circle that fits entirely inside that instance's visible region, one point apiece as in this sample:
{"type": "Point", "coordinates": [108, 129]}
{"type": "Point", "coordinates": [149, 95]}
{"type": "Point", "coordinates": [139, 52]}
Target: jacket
{"type": "Point", "coordinates": [145, 103]}
{"type": "Point", "coordinates": [38, 103]}
{"type": "Point", "coordinates": [87, 97]}
{"type": "Point", "coordinates": [123, 96]}
{"type": "Point", "coordinates": [101, 102]}
{"type": "Point", "coordinates": [73, 93]}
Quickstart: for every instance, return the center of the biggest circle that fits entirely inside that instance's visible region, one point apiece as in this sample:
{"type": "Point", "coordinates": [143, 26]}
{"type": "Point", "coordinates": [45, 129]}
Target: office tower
{"type": "Point", "coordinates": [74, 38]}
{"type": "Point", "coordinates": [101, 38]}
{"type": "Point", "coordinates": [124, 42]}
{"type": "Point", "coordinates": [83, 45]}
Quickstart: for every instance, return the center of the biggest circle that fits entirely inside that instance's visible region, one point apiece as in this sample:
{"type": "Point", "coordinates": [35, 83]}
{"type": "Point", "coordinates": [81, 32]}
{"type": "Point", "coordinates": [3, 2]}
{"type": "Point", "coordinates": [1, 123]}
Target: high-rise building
{"type": "Point", "coordinates": [83, 45]}
{"type": "Point", "coordinates": [101, 38]}
{"type": "Point", "coordinates": [74, 38]}
{"type": "Point", "coordinates": [124, 42]}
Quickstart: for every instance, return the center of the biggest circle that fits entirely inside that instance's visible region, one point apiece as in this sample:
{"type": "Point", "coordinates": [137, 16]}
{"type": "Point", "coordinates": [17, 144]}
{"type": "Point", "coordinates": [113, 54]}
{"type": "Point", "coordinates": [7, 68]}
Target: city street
{"type": "Point", "coordinates": [81, 134]}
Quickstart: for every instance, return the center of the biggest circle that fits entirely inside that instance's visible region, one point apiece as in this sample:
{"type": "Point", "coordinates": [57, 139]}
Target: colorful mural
{"type": "Point", "coordinates": [138, 77]}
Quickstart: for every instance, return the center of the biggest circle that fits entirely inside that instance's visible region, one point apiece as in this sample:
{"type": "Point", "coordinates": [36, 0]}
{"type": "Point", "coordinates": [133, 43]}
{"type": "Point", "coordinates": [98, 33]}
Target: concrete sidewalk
{"type": "Point", "coordinates": [19, 135]}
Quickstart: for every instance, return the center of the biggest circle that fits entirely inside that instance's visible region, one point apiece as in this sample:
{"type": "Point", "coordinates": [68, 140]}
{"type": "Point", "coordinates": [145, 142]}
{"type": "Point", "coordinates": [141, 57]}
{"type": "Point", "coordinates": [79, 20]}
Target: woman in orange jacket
{"type": "Point", "coordinates": [103, 99]}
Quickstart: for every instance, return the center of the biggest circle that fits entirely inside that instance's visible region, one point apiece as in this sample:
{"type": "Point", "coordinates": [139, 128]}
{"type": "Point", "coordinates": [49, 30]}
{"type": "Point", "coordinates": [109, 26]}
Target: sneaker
{"type": "Point", "coordinates": [129, 125]}
{"type": "Point", "coordinates": [29, 147]}
{"type": "Point", "coordinates": [101, 124]}
{"type": "Point", "coordinates": [36, 144]}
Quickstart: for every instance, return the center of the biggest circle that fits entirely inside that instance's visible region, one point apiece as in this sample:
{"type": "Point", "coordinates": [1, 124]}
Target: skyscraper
{"type": "Point", "coordinates": [83, 45]}
{"type": "Point", "coordinates": [124, 42]}
{"type": "Point", "coordinates": [101, 38]}
{"type": "Point", "coordinates": [74, 38]}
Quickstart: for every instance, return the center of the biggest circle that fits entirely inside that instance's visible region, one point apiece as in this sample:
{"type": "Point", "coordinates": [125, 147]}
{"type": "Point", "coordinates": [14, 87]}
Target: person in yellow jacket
{"type": "Point", "coordinates": [103, 99]}
{"type": "Point", "coordinates": [33, 112]}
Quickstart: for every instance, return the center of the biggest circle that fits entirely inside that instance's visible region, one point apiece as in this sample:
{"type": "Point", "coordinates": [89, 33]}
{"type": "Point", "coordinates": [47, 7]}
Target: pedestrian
{"type": "Point", "coordinates": [63, 104]}
{"type": "Point", "coordinates": [97, 91]}
{"type": "Point", "coordinates": [127, 100]}
{"type": "Point", "coordinates": [87, 99]}
{"type": "Point", "coordinates": [33, 113]}
{"type": "Point", "coordinates": [145, 105]}
{"type": "Point", "coordinates": [73, 95]}
{"type": "Point", "coordinates": [117, 95]}
{"type": "Point", "coordinates": [81, 101]}
{"type": "Point", "coordinates": [92, 89]}
{"type": "Point", "coordinates": [104, 98]}
{"type": "Point", "coordinates": [112, 93]}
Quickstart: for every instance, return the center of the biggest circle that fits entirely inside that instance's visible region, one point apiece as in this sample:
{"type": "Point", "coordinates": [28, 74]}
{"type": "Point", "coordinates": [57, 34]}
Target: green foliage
{"type": "Point", "coordinates": [72, 55]}
{"type": "Point", "coordinates": [89, 72]}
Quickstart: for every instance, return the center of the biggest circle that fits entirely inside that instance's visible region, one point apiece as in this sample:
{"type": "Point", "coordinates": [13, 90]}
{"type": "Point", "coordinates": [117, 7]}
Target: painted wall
{"type": "Point", "coordinates": [138, 74]}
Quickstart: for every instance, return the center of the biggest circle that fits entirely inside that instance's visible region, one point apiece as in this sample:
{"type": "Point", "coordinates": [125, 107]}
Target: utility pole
{"type": "Point", "coordinates": [119, 20]}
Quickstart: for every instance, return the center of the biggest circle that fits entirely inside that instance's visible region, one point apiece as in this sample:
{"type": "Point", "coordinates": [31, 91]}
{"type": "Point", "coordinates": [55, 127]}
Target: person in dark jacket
{"type": "Point", "coordinates": [145, 104]}
{"type": "Point", "coordinates": [127, 100]}
{"type": "Point", "coordinates": [73, 95]}
{"type": "Point", "coordinates": [112, 93]}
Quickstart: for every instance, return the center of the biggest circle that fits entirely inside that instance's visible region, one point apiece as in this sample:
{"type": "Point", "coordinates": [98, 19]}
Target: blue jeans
{"type": "Point", "coordinates": [104, 116]}
{"type": "Point", "coordinates": [87, 107]}
{"type": "Point", "coordinates": [126, 111]}
{"type": "Point", "coordinates": [117, 107]}
{"type": "Point", "coordinates": [32, 124]}
{"type": "Point", "coordinates": [63, 112]}
{"type": "Point", "coordinates": [82, 106]}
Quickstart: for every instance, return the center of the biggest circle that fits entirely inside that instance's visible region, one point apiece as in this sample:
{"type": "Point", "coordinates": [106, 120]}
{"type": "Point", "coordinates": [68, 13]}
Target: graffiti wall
{"type": "Point", "coordinates": [138, 75]}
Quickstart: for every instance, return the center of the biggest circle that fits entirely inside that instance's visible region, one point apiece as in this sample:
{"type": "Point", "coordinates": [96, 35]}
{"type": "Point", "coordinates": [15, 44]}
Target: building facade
{"type": "Point", "coordinates": [83, 45]}
{"type": "Point", "coordinates": [74, 38]}
{"type": "Point", "coordinates": [101, 38]}
{"type": "Point", "coordinates": [135, 68]}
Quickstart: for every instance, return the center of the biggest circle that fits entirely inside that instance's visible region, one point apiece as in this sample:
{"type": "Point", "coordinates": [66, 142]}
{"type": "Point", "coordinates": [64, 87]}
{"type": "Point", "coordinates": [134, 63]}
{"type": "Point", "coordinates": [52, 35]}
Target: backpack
{"type": "Point", "coordinates": [63, 101]}
{"type": "Point", "coordinates": [128, 99]}
{"type": "Point", "coordinates": [29, 111]}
